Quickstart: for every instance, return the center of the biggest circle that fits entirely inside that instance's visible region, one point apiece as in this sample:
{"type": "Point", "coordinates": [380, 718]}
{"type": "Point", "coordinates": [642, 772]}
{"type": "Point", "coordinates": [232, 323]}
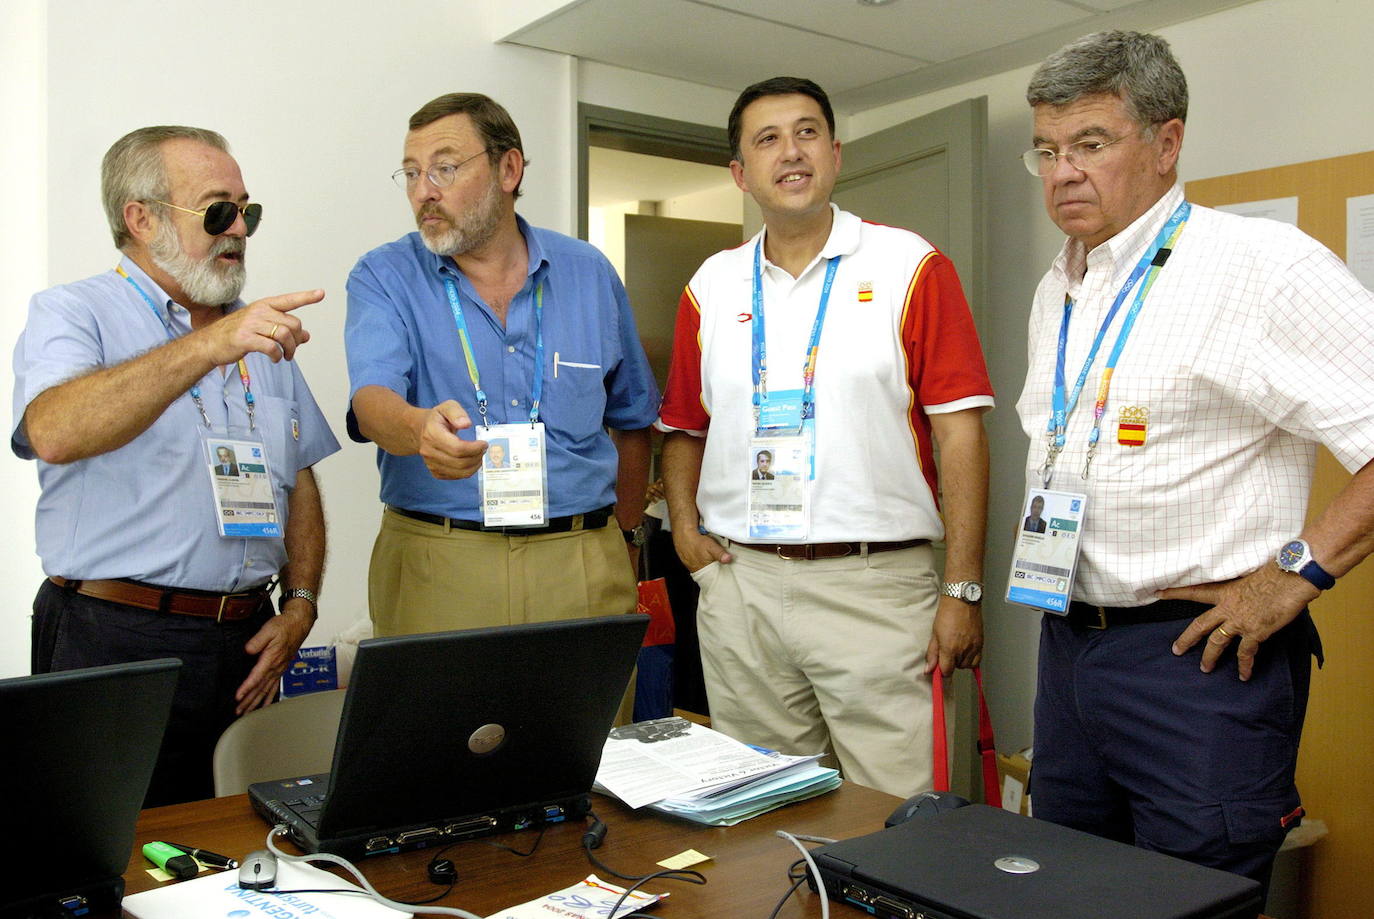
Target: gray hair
{"type": "Point", "coordinates": [1135, 66]}
{"type": "Point", "coordinates": [133, 170]}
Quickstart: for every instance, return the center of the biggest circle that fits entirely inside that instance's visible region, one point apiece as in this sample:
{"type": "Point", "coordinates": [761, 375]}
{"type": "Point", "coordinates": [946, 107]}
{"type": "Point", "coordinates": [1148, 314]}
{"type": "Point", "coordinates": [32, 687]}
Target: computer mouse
{"type": "Point", "coordinates": [258, 871]}
{"type": "Point", "coordinates": [926, 804]}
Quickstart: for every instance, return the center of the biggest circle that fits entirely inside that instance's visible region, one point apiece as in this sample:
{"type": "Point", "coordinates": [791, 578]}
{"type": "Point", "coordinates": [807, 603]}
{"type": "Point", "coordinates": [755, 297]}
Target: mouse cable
{"type": "Point", "coordinates": [353, 870]}
{"type": "Point", "coordinates": [815, 872]}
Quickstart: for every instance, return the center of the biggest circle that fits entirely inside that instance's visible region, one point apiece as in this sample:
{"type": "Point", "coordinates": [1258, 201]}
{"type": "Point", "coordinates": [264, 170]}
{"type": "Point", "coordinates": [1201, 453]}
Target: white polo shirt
{"type": "Point", "coordinates": [898, 345]}
{"type": "Point", "coordinates": [1255, 344]}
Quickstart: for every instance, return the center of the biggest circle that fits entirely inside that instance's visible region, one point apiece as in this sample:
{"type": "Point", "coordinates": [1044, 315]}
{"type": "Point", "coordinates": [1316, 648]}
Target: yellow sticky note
{"type": "Point", "coordinates": [685, 860]}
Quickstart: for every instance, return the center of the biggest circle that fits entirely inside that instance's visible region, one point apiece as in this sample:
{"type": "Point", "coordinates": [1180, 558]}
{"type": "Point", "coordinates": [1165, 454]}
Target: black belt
{"type": "Point", "coordinates": [591, 520]}
{"type": "Point", "coordinates": [1087, 616]}
{"type": "Point", "coordinates": [819, 550]}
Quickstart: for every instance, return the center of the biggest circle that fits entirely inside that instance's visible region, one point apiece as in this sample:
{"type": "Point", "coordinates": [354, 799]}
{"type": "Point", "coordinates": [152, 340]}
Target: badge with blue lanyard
{"type": "Point", "coordinates": [782, 455]}
{"type": "Point", "coordinates": [514, 475]}
{"type": "Point", "coordinates": [235, 459]}
{"type": "Point", "coordinates": [1045, 560]}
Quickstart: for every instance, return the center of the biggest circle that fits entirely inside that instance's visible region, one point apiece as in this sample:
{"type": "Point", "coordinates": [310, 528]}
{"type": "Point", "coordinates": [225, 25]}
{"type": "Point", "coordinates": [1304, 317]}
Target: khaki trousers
{"type": "Point", "coordinates": [429, 578]}
{"type": "Point", "coordinates": [825, 655]}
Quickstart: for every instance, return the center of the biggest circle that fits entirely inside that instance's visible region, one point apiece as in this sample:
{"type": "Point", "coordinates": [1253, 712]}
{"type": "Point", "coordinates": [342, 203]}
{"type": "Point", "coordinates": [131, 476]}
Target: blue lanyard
{"type": "Point", "coordinates": [458, 320]}
{"type": "Point", "coordinates": [760, 363]}
{"type": "Point", "coordinates": [1061, 405]}
{"type": "Point", "coordinates": [171, 336]}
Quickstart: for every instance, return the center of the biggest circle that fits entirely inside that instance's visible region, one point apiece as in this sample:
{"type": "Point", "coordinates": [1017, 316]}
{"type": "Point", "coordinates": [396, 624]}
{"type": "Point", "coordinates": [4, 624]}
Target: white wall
{"type": "Point", "coordinates": [313, 96]}
{"type": "Point", "coordinates": [24, 269]}
{"type": "Point", "coordinates": [1274, 82]}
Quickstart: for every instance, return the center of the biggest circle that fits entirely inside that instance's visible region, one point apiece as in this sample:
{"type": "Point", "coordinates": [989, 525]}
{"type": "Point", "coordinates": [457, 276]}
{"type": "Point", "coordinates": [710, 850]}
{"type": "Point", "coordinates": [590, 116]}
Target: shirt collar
{"type": "Point", "coordinates": [845, 229]}
{"type": "Point", "coordinates": [149, 286]}
{"type": "Point", "coordinates": [1123, 250]}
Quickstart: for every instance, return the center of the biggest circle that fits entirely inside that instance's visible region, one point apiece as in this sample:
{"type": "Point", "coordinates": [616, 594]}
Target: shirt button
{"type": "Point", "coordinates": [510, 349]}
{"type": "Point", "coordinates": [515, 402]}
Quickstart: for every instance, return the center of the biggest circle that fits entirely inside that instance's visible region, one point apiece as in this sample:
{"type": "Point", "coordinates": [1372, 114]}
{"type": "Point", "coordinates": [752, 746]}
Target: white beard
{"type": "Point", "coordinates": [205, 282]}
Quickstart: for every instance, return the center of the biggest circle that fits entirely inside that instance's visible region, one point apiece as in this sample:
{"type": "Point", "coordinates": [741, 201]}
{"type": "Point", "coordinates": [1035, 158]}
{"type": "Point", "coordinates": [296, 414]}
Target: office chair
{"type": "Point", "coordinates": [287, 738]}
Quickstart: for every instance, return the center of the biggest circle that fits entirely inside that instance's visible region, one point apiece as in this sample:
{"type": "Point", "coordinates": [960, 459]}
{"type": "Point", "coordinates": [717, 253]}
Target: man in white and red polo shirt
{"type": "Point", "coordinates": [846, 351]}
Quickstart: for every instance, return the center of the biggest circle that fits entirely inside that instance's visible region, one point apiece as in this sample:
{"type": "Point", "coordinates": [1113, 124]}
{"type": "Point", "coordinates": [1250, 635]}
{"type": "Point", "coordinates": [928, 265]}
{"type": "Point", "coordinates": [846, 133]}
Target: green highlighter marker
{"type": "Point", "coordinates": [171, 860]}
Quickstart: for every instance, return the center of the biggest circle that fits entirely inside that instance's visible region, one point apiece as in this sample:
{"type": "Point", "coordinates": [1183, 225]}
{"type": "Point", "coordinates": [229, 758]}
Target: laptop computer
{"type": "Point", "coordinates": [980, 862]}
{"type": "Point", "coordinates": [450, 735]}
{"type": "Point", "coordinates": [79, 752]}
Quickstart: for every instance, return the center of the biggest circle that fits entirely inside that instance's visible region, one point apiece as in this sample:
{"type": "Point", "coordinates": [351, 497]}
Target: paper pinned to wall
{"type": "Point", "coordinates": [1359, 238]}
{"type": "Point", "coordinates": [1283, 209]}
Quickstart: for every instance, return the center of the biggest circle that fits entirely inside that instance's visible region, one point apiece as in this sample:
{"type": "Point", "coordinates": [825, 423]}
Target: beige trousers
{"type": "Point", "coordinates": [428, 578]}
{"type": "Point", "coordinates": [825, 655]}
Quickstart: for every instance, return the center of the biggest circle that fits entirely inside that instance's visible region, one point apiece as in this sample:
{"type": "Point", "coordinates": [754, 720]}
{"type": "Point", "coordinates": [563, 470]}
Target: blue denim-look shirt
{"type": "Point", "coordinates": [146, 510]}
{"type": "Point", "coordinates": [400, 334]}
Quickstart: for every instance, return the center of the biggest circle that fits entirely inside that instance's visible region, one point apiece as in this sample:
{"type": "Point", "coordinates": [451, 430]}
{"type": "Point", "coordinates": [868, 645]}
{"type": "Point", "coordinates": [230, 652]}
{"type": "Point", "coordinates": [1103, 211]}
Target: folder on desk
{"type": "Point", "coordinates": [451, 735]}
{"type": "Point", "coordinates": [980, 862]}
{"type": "Point", "coordinates": [80, 746]}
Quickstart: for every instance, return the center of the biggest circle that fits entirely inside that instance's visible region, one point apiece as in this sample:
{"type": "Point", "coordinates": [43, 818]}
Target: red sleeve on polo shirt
{"type": "Point", "coordinates": [944, 359]}
{"type": "Point", "coordinates": [682, 406]}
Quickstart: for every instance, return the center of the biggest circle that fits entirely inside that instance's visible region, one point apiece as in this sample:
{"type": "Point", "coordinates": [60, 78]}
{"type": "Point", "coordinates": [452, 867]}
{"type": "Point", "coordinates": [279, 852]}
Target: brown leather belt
{"type": "Point", "coordinates": [220, 607]}
{"type": "Point", "coordinates": [817, 550]}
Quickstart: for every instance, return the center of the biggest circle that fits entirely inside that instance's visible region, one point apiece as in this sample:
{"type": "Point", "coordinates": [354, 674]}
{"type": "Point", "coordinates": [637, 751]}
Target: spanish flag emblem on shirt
{"type": "Point", "coordinates": [1132, 426]}
{"type": "Point", "coordinates": [865, 291]}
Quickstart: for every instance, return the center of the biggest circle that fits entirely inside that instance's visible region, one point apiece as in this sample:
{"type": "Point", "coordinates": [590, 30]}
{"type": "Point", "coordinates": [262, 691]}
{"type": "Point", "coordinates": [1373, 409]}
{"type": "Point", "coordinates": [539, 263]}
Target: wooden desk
{"type": "Point", "coordinates": [746, 876]}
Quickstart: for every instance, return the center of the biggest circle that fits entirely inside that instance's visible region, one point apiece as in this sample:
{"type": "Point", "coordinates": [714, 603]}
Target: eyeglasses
{"type": "Point", "coordinates": [440, 175]}
{"type": "Point", "coordinates": [1084, 155]}
{"type": "Point", "coordinates": [220, 216]}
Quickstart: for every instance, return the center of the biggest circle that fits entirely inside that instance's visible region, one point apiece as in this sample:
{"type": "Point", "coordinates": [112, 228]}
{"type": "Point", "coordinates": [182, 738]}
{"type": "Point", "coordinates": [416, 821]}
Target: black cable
{"type": "Point", "coordinates": [797, 873]}
{"type": "Point", "coordinates": [534, 848]}
{"type": "Point", "coordinates": [670, 874]}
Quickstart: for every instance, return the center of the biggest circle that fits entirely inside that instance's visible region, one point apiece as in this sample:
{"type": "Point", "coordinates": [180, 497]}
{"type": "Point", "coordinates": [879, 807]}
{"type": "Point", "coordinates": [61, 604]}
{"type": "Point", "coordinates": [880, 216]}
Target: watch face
{"type": "Point", "coordinates": [973, 592]}
{"type": "Point", "coordinates": [1291, 555]}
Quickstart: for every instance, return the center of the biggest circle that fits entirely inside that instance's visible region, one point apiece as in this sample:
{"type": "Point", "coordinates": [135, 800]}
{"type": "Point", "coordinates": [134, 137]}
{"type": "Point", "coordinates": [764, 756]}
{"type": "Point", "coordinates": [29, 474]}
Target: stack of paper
{"type": "Point", "coordinates": [681, 768]}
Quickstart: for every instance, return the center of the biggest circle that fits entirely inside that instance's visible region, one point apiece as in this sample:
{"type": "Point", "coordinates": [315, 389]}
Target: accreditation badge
{"type": "Point", "coordinates": [514, 475]}
{"type": "Point", "coordinates": [241, 483]}
{"type": "Point", "coordinates": [1044, 560]}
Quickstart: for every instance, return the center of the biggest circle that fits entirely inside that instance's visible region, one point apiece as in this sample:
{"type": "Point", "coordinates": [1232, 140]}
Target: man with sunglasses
{"type": "Point", "coordinates": [1184, 364]}
{"type": "Point", "coordinates": [130, 387]}
{"type": "Point", "coordinates": [481, 329]}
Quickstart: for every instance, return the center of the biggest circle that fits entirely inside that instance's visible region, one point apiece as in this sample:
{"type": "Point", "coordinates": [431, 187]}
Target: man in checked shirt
{"type": "Point", "coordinates": [1251, 348]}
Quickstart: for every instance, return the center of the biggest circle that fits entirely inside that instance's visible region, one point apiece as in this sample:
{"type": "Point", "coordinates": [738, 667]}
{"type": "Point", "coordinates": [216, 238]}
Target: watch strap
{"type": "Point", "coordinates": [1317, 576]}
{"type": "Point", "coordinates": [299, 593]}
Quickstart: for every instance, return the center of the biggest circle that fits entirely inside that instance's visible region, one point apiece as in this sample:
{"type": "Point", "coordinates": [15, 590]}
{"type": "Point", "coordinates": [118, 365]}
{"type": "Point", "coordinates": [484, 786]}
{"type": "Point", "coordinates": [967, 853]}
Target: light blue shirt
{"type": "Point", "coordinates": [401, 335]}
{"type": "Point", "coordinates": [146, 511]}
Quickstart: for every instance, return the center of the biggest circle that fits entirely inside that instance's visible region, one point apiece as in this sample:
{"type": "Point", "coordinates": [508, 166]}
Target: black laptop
{"type": "Point", "coordinates": [79, 748]}
{"type": "Point", "coordinates": [450, 735]}
{"type": "Point", "coordinates": [980, 862]}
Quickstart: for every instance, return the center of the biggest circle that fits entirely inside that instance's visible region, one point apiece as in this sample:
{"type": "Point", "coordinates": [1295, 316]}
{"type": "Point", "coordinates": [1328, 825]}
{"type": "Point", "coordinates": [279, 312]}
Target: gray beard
{"type": "Point", "coordinates": [204, 282]}
{"type": "Point", "coordinates": [472, 231]}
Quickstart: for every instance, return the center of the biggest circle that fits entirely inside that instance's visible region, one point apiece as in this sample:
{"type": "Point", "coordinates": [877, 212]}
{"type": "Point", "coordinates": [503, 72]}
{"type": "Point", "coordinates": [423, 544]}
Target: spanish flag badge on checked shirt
{"type": "Point", "coordinates": [1132, 426]}
{"type": "Point", "coordinates": [865, 291]}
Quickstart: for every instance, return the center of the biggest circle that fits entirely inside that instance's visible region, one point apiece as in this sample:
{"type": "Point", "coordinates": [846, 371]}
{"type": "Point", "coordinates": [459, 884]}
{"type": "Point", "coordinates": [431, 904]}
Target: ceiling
{"type": "Point", "coordinates": [864, 56]}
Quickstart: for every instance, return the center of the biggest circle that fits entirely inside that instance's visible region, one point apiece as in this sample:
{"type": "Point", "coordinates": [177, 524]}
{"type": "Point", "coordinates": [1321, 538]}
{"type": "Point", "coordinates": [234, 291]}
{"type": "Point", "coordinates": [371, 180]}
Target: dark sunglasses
{"type": "Point", "coordinates": [221, 215]}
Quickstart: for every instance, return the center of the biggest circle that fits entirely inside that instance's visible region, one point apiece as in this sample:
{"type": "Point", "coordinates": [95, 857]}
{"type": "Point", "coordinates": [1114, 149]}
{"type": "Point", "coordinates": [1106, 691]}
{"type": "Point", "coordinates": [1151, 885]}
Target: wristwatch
{"type": "Point", "coordinates": [636, 535]}
{"type": "Point", "coordinates": [1296, 556]}
{"type": "Point", "coordinates": [303, 594]}
{"type": "Point", "coordinates": [968, 591]}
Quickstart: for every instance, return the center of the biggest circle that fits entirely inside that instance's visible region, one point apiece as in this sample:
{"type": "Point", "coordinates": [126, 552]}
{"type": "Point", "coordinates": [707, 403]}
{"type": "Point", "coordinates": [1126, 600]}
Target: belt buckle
{"type": "Point", "coordinates": [219, 617]}
{"type": "Point", "coordinates": [1101, 619]}
{"type": "Point", "coordinates": [790, 553]}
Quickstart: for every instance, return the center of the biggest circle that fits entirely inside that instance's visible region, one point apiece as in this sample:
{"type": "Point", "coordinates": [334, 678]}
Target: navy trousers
{"type": "Point", "coordinates": [72, 631]}
{"type": "Point", "coordinates": [1138, 745]}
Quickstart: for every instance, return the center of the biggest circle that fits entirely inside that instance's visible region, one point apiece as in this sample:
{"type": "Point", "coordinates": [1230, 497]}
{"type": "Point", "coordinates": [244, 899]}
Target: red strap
{"type": "Point", "coordinates": [987, 746]}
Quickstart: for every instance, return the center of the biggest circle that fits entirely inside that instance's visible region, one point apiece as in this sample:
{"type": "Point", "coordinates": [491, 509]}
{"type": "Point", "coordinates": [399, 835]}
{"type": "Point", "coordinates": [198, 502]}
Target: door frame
{"type": "Point", "coordinates": [635, 132]}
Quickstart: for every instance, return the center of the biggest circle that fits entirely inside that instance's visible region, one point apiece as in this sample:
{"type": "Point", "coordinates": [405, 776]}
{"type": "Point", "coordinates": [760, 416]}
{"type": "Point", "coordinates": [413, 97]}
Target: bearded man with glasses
{"type": "Point", "coordinates": [129, 387]}
{"type": "Point", "coordinates": [481, 329]}
{"type": "Point", "coordinates": [1212, 353]}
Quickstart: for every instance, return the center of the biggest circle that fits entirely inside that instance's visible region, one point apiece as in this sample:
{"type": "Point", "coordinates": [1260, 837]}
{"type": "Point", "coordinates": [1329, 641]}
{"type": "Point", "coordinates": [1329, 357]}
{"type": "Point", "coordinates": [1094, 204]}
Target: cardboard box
{"type": "Point", "coordinates": [1014, 771]}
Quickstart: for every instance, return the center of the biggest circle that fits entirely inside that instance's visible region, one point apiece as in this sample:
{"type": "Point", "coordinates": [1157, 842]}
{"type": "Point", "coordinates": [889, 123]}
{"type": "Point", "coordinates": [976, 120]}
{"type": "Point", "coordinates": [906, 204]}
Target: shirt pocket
{"type": "Point", "coordinates": [576, 402]}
